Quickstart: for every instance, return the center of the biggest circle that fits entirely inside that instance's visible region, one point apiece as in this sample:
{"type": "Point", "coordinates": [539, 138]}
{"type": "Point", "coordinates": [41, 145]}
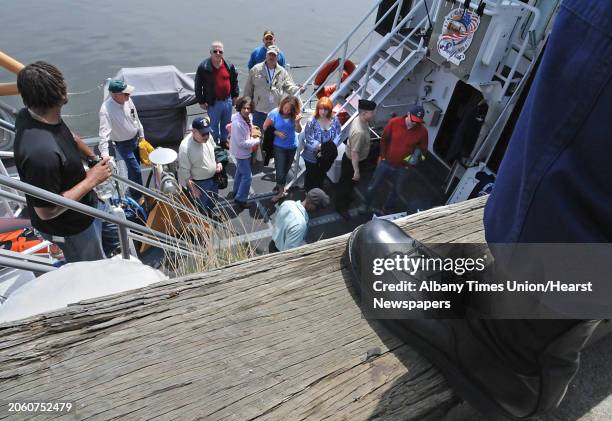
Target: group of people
{"type": "Point", "coordinates": [268, 108]}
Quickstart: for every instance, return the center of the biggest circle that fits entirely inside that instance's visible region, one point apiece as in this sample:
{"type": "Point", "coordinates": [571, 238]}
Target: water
{"type": "Point", "coordinates": [90, 40]}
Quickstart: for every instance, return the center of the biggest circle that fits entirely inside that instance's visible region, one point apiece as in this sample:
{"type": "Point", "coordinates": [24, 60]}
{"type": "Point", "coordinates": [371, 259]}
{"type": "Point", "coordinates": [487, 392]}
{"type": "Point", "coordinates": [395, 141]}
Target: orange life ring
{"type": "Point", "coordinates": [330, 66]}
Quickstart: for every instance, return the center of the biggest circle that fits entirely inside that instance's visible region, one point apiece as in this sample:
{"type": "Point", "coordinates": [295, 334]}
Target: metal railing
{"type": "Point", "coordinates": [509, 79]}
{"type": "Point", "coordinates": [344, 44]}
{"type": "Point", "coordinates": [124, 226]}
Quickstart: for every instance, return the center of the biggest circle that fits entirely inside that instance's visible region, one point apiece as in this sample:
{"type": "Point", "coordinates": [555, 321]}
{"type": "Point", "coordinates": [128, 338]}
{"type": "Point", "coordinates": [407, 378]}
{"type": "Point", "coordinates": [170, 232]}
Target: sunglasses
{"type": "Point", "coordinates": [217, 51]}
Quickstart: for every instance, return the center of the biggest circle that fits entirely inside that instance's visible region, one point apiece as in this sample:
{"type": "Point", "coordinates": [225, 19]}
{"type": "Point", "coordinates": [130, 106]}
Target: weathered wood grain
{"type": "Point", "coordinates": [277, 337]}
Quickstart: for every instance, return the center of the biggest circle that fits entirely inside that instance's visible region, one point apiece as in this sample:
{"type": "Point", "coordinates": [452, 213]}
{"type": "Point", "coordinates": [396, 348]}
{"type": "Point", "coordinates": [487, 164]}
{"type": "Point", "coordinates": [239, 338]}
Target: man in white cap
{"type": "Point", "coordinates": [119, 124]}
{"type": "Point", "coordinates": [267, 84]}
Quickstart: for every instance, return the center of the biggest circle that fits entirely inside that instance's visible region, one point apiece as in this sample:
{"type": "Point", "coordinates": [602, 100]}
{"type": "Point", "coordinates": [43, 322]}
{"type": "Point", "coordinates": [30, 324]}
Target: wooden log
{"type": "Point", "coordinates": [275, 337]}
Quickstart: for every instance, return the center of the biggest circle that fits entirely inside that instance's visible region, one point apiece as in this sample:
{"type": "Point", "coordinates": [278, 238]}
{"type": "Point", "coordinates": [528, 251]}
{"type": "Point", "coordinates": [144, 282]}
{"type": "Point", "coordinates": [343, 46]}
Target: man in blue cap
{"type": "Point", "coordinates": [120, 125]}
{"type": "Point", "coordinates": [402, 138]}
{"type": "Point", "coordinates": [198, 163]}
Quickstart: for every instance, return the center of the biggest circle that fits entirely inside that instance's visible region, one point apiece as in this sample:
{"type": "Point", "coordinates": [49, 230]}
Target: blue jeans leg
{"type": "Point", "coordinates": [283, 158]}
{"type": "Point", "coordinates": [107, 231]}
{"type": "Point", "coordinates": [208, 191]}
{"type": "Point", "coordinates": [397, 177]}
{"type": "Point", "coordinates": [82, 247]}
{"type": "Point", "coordinates": [381, 172]}
{"type": "Point", "coordinates": [220, 114]}
{"type": "Point", "coordinates": [126, 152]}
{"type": "Point", "coordinates": [242, 180]}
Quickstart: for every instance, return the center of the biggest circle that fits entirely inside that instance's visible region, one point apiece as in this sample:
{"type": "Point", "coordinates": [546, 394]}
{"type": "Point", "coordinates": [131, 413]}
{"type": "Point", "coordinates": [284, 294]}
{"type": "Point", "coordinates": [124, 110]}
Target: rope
{"type": "Point", "coordinates": [79, 115]}
{"type": "Point", "coordinates": [97, 88]}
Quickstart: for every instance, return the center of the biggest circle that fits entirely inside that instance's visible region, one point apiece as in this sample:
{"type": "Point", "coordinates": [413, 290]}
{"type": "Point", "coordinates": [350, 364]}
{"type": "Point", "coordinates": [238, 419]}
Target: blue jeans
{"type": "Point", "coordinates": [259, 118]}
{"type": "Point", "coordinates": [107, 231]}
{"type": "Point", "coordinates": [242, 179]}
{"type": "Point", "coordinates": [208, 190]}
{"type": "Point", "coordinates": [384, 170]}
{"type": "Point", "coordinates": [220, 114]}
{"type": "Point", "coordinates": [126, 152]}
{"type": "Point", "coordinates": [94, 243]}
{"type": "Point", "coordinates": [283, 158]}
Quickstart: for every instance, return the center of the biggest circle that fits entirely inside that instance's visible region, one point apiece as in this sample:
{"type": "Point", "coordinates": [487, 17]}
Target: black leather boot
{"type": "Point", "coordinates": [504, 368]}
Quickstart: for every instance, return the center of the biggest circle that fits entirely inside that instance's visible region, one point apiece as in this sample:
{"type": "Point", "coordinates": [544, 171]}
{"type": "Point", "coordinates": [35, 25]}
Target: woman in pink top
{"type": "Point", "coordinates": [244, 136]}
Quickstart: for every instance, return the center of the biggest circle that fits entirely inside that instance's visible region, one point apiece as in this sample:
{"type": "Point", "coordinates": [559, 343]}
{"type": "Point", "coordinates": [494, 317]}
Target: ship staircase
{"type": "Point", "coordinates": [383, 66]}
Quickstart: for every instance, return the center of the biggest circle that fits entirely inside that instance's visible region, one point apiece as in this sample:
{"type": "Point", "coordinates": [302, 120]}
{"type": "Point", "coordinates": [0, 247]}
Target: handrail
{"type": "Point", "coordinates": [7, 125]}
{"type": "Point", "coordinates": [88, 210]}
{"type": "Point", "coordinates": [12, 66]}
{"type": "Point", "coordinates": [7, 108]}
{"type": "Point", "coordinates": [344, 43]}
{"type": "Point", "coordinates": [161, 198]}
{"type": "Point", "coordinates": [25, 265]}
{"type": "Point", "coordinates": [143, 239]}
{"type": "Point", "coordinates": [534, 23]}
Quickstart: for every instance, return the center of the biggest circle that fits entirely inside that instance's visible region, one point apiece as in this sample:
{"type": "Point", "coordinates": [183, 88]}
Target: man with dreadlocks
{"type": "Point", "coordinates": [48, 155]}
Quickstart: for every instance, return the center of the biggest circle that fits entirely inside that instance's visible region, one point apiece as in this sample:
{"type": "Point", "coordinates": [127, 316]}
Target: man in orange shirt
{"type": "Point", "coordinates": [401, 137]}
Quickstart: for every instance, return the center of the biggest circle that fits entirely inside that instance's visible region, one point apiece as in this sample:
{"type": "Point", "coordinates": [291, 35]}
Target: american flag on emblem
{"type": "Point", "coordinates": [457, 22]}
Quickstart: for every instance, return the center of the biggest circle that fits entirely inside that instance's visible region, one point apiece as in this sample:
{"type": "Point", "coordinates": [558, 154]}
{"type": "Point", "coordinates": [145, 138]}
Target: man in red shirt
{"type": "Point", "coordinates": [216, 89]}
{"type": "Point", "coordinates": [400, 139]}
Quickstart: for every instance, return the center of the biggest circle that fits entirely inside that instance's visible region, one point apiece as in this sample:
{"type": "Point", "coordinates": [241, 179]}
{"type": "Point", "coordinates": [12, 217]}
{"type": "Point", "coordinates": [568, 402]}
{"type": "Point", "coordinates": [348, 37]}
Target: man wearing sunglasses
{"type": "Point", "coordinates": [259, 54]}
{"type": "Point", "coordinates": [402, 138]}
{"type": "Point", "coordinates": [216, 89]}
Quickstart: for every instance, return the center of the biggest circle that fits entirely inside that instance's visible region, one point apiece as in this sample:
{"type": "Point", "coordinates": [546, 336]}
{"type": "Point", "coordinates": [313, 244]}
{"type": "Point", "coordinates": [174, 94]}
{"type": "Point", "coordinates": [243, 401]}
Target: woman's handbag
{"type": "Point", "coordinates": [327, 155]}
{"type": "Point", "coordinates": [268, 144]}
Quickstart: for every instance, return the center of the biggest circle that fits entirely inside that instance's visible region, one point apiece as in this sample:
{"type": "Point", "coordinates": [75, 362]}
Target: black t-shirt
{"type": "Point", "coordinates": [47, 156]}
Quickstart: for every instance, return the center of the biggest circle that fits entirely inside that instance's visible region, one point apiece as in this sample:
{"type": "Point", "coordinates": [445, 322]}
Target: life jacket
{"type": "Point", "coordinates": [144, 149]}
{"type": "Point", "coordinates": [20, 240]}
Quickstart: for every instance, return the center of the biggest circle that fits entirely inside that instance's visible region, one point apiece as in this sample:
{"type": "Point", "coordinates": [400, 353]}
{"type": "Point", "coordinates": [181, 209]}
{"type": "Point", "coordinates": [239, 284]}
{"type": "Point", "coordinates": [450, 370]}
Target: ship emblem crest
{"type": "Point", "coordinates": [457, 32]}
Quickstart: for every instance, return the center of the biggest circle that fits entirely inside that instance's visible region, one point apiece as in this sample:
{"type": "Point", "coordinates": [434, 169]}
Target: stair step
{"type": "Point", "coordinates": [397, 39]}
{"type": "Point", "coordinates": [393, 61]}
{"type": "Point", "coordinates": [378, 77]}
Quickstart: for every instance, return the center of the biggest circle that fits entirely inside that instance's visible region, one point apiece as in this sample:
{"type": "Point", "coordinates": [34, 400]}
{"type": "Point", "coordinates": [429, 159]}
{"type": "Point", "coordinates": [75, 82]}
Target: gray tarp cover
{"type": "Point", "coordinates": [161, 96]}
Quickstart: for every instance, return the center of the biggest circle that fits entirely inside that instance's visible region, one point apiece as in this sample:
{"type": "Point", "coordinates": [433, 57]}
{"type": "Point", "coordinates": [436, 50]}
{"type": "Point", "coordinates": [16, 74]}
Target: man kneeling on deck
{"type": "Point", "coordinates": [291, 221]}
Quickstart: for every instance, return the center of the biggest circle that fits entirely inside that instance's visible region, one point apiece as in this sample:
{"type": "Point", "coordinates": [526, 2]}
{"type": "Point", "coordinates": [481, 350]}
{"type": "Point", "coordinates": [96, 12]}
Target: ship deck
{"type": "Point", "coordinates": [421, 190]}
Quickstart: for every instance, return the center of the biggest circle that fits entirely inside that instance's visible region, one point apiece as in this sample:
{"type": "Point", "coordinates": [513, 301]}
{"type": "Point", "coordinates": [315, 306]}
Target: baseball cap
{"type": "Point", "coordinates": [117, 86]}
{"type": "Point", "coordinates": [318, 198]}
{"type": "Point", "coordinates": [268, 33]}
{"type": "Point", "coordinates": [417, 113]}
{"type": "Point", "coordinates": [272, 49]}
{"type": "Point", "coordinates": [201, 124]}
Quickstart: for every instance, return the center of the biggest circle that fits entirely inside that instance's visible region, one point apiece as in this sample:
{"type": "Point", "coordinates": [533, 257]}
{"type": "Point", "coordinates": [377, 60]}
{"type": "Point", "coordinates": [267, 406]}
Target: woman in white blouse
{"type": "Point", "coordinates": [244, 137]}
